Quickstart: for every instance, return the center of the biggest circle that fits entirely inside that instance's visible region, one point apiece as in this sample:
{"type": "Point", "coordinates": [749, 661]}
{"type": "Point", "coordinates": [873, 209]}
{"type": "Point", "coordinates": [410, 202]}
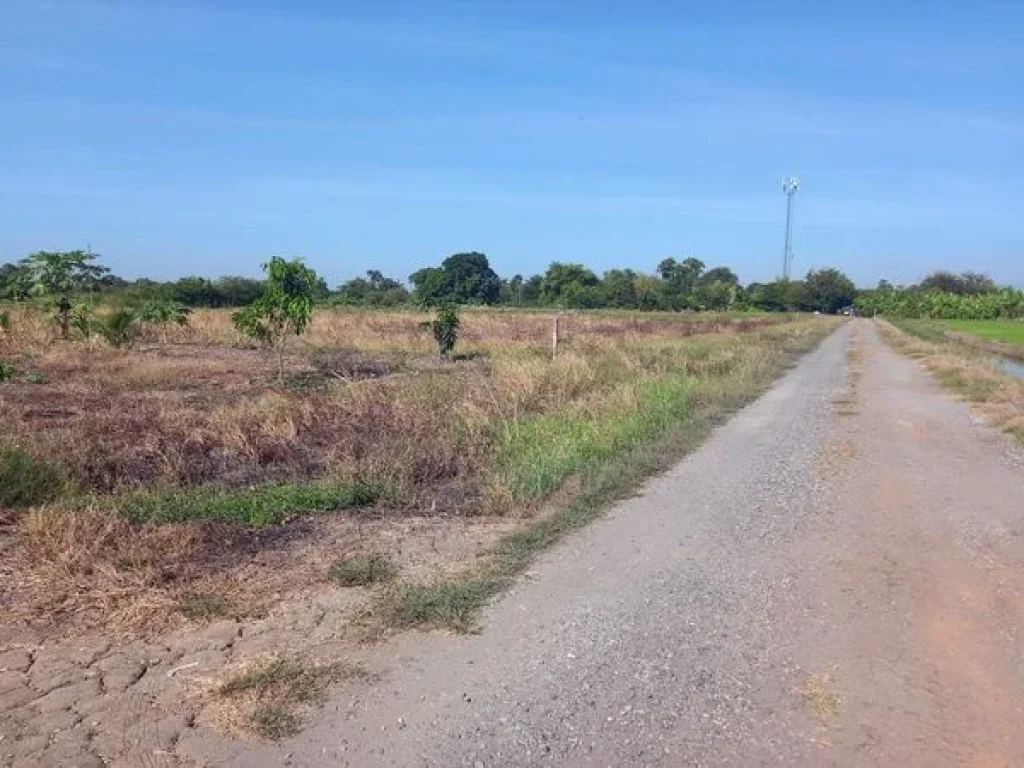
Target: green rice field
{"type": "Point", "coordinates": [1010, 331]}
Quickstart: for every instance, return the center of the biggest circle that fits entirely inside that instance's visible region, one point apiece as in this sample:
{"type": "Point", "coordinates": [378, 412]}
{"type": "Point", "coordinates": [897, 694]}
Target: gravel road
{"type": "Point", "coordinates": [833, 578]}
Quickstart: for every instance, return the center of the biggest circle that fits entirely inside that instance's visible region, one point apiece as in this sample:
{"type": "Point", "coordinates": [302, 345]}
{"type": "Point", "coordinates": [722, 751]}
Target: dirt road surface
{"type": "Point", "coordinates": [835, 578]}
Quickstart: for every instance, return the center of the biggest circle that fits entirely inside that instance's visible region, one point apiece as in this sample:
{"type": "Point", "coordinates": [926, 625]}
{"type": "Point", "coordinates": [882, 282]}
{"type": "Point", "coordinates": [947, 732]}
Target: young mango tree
{"type": "Point", "coordinates": [285, 308]}
{"type": "Point", "coordinates": [445, 328]}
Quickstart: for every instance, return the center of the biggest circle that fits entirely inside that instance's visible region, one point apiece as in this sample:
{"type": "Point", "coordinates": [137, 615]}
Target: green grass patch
{"type": "Point", "coordinates": [259, 506]}
{"type": "Point", "coordinates": [1009, 331]}
{"type": "Point", "coordinates": [451, 603]}
{"type": "Point", "coordinates": [362, 570]}
{"type": "Point", "coordinates": [540, 452]}
{"type": "Point", "coordinates": [26, 481]}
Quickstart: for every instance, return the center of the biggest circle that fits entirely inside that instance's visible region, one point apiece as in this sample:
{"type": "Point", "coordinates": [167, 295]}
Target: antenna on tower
{"type": "Point", "coordinates": [789, 186]}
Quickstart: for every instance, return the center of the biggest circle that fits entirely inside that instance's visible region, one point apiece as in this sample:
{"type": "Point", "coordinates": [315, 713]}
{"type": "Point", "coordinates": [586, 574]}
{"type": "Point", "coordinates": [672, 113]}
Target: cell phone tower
{"type": "Point", "coordinates": [789, 186]}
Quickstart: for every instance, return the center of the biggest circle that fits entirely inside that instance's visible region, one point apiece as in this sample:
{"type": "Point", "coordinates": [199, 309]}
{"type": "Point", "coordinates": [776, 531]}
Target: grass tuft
{"type": "Point", "coordinates": [362, 570]}
{"type": "Point", "coordinates": [272, 691]}
{"type": "Point", "coordinates": [452, 603]}
{"type": "Point", "coordinates": [272, 721]}
{"type": "Point", "coordinates": [205, 606]}
{"type": "Point", "coordinates": [26, 481]}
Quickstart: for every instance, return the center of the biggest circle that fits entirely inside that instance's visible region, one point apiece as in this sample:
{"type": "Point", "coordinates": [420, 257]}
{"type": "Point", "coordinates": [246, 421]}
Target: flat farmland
{"type": "Point", "coordinates": [155, 491]}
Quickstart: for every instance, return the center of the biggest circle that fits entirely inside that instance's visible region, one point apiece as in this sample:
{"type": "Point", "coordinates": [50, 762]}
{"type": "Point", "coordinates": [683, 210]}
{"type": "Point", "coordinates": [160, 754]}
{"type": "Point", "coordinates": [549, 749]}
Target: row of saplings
{"type": "Point", "coordinates": [284, 309]}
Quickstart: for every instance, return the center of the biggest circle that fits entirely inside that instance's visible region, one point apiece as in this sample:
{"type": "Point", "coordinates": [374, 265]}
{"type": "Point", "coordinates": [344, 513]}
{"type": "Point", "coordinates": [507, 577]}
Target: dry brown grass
{"type": "Point", "coordinates": [995, 395]}
{"type": "Point", "coordinates": [371, 401]}
{"type": "Point", "coordinates": [489, 329]}
{"type": "Point", "coordinates": [88, 566]}
{"type": "Point", "coordinates": [182, 415]}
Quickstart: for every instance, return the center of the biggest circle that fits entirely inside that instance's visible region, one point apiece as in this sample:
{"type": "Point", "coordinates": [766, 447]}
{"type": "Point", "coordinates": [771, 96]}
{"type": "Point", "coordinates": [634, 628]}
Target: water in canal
{"type": "Point", "coordinates": [1011, 366]}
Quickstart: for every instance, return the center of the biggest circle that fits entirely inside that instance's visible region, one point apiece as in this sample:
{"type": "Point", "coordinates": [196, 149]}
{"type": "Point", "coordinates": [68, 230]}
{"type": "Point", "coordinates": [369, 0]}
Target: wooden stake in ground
{"type": "Point", "coordinates": [554, 335]}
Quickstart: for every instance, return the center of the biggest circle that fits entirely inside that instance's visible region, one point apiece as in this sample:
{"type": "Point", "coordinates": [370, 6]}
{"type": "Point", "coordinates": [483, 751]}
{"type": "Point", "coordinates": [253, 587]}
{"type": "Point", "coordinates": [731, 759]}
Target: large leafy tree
{"type": "Point", "coordinates": [59, 276]}
{"type": "Point", "coordinates": [717, 289]}
{"type": "Point", "coordinates": [719, 275]}
{"type": "Point", "coordinates": [828, 290]}
{"type": "Point", "coordinates": [680, 278]}
{"type": "Point", "coordinates": [285, 308]}
{"type": "Point", "coordinates": [471, 278]}
{"type": "Point", "coordinates": [462, 278]}
{"type": "Point", "coordinates": [570, 285]}
{"type": "Point", "coordinates": [966, 284]}
{"type": "Point", "coordinates": [619, 288]}
{"type": "Point", "coordinates": [777, 296]}
{"type": "Point", "coordinates": [431, 286]}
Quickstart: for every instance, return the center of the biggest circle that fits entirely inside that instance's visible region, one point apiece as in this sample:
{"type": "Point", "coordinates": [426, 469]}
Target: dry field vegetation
{"type": "Point", "coordinates": [174, 483]}
{"type": "Point", "coordinates": [966, 366]}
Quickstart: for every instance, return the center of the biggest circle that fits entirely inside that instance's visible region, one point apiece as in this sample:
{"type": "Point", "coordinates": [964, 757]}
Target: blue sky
{"type": "Point", "coordinates": [181, 137]}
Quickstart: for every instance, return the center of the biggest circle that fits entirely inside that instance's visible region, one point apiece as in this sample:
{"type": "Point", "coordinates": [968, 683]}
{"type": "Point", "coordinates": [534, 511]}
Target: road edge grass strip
{"type": "Point", "coordinates": [965, 370]}
{"type": "Point", "coordinates": [258, 506]}
{"type": "Point", "coordinates": [454, 603]}
{"type": "Point", "coordinates": [544, 450]}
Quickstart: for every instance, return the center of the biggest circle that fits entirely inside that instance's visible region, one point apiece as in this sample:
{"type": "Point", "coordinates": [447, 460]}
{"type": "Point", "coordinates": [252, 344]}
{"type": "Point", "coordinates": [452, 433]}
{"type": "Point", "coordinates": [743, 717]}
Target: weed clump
{"type": "Point", "coordinates": [204, 606]}
{"type": "Point", "coordinates": [273, 721]}
{"type": "Point", "coordinates": [273, 690]}
{"type": "Point", "coordinates": [362, 570]}
{"type": "Point", "coordinates": [450, 604]}
{"type": "Point", "coordinates": [25, 481]}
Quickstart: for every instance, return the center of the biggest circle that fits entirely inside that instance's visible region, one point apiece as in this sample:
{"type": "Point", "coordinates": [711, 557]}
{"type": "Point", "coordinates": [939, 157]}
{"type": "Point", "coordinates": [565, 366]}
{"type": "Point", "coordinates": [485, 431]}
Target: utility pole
{"type": "Point", "coordinates": [789, 186]}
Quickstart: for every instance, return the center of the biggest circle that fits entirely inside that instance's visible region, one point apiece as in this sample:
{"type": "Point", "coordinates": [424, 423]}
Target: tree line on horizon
{"type": "Point", "coordinates": [468, 279]}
